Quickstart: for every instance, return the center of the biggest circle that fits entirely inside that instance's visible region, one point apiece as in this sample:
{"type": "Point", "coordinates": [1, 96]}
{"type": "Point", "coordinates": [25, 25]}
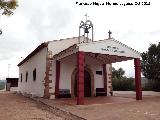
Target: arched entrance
{"type": "Point", "coordinates": [87, 84]}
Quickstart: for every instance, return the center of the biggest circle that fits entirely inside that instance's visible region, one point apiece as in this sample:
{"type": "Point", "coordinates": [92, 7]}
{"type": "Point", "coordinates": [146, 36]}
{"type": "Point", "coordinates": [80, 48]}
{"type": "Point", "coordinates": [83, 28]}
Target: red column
{"type": "Point", "coordinates": [105, 78]}
{"type": "Point", "coordinates": [80, 81]}
{"type": "Point", "coordinates": [137, 63]}
{"type": "Point", "coordinates": [57, 78]}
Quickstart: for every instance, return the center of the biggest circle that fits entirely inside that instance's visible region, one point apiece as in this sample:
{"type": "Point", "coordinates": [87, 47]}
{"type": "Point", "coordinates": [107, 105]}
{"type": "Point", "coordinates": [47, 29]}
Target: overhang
{"type": "Point", "coordinates": [109, 47]}
{"type": "Point", "coordinates": [107, 51]}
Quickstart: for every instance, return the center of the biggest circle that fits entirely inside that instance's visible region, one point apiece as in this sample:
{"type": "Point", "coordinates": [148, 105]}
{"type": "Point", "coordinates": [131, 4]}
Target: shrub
{"type": "Point", "coordinates": [123, 84]}
{"type": "Point", "coordinates": [2, 85]}
{"type": "Point", "coordinates": [152, 85]}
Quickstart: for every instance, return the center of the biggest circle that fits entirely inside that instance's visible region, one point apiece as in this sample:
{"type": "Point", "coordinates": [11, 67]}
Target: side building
{"type": "Point", "coordinates": [11, 84]}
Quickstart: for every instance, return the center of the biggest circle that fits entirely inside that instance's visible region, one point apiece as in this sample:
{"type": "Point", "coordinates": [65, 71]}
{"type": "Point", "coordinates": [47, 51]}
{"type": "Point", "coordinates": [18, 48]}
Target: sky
{"type": "Point", "coordinates": [36, 21]}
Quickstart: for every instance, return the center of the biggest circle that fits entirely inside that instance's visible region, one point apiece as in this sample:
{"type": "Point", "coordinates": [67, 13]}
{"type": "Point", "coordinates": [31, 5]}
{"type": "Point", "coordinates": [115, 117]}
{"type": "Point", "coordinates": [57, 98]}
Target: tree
{"type": "Point", "coordinates": [121, 82]}
{"type": "Point", "coordinates": [117, 73]}
{"type": "Point", "coordinates": [7, 6]}
{"type": "Point", "coordinates": [151, 62]}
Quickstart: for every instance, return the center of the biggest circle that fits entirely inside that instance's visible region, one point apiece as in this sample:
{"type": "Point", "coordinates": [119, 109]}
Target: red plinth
{"type": "Point", "coordinates": [137, 63]}
{"type": "Point", "coordinates": [105, 77]}
{"type": "Point", "coordinates": [57, 78]}
{"type": "Point", "coordinates": [80, 81]}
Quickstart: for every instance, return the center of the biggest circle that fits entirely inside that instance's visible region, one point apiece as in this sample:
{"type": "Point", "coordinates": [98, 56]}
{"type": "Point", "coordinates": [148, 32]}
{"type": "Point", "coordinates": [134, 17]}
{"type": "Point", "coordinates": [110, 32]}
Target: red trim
{"type": "Point", "coordinates": [57, 78]}
{"type": "Point", "coordinates": [105, 77]}
{"type": "Point", "coordinates": [80, 82]}
{"type": "Point", "coordinates": [137, 63]}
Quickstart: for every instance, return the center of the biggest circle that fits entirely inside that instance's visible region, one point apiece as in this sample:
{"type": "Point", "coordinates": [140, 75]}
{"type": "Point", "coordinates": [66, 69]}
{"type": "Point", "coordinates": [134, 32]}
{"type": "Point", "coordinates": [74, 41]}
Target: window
{"type": "Point", "coordinates": [99, 72]}
{"type": "Point", "coordinates": [34, 74]}
{"type": "Point", "coordinates": [21, 77]}
{"type": "Point", "coordinates": [26, 76]}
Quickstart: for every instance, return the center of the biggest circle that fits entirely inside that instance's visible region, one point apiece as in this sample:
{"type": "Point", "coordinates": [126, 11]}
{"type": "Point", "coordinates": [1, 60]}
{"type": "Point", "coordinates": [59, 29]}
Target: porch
{"type": "Point", "coordinates": [106, 52]}
{"type": "Point", "coordinates": [97, 100]}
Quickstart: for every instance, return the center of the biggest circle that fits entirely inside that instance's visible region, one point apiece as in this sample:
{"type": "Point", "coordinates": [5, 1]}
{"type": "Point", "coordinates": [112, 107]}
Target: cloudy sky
{"type": "Point", "coordinates": [36, 21]}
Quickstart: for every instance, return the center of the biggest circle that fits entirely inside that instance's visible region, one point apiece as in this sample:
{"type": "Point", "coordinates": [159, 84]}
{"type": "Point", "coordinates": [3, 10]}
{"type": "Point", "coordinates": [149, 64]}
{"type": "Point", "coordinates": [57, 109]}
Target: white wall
{"type": "Point", "coordinates": [55, 47]}
{"type": "Point", "coordinates": [115, 48]}
{"type": "Point", "coordinates": [109, 77]}
{"type": "Point", "coordinates": [37, 61]}
{"type": "Point", "coordinates": [96, 66]}
{"type": "Point", "coordinates": [14, 89]}
{"type": "Point", "coordinates": [68, 65]}
{"type": "Point", "coordinates": [60, 45]}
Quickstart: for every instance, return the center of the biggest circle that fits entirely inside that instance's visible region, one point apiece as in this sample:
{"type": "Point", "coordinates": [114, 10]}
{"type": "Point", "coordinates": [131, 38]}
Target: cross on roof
{"type": "Point", "coordinates": [86, 16]}
{"type": "Point", "coordinates": [109, 33]}
{"type": "Point", "coordinates": [0, 31]}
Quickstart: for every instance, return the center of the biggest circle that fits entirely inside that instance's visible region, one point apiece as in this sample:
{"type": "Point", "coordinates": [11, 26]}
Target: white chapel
{"type": "Point", "coordinates": [76, 67]}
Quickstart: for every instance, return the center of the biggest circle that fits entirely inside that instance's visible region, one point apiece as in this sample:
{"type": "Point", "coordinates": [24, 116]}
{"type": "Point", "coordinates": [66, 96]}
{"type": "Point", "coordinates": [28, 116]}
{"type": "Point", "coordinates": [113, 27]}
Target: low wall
{"type": "Point", "coordinates": [150, 93]}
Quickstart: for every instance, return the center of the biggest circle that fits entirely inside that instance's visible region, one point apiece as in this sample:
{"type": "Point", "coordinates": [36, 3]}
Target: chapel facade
{"type": "Point", "coordinates": [75, 67]}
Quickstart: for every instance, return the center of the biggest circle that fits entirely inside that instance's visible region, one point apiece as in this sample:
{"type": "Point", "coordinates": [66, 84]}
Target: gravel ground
{"type": "Point", "coordinates": [16, 107]}
{"type": "Point", "coordinates": [120, 107]}
{"type": "Point", "coordinates": [146, 109]}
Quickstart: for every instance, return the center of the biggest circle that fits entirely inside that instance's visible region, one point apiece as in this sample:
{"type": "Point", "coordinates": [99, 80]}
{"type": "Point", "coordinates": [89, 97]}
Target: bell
{"type": "Point", "coordinates": [86, 30]}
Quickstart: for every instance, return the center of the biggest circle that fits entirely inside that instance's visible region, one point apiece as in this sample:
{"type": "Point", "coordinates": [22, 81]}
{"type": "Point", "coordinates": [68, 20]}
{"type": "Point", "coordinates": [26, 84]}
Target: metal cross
{"type": "Point", "coordinates": [109, 33]}
{"type": "Point", "coordinates": [0, 31]}
{"type": "Point", "coordinates": [86, 16]}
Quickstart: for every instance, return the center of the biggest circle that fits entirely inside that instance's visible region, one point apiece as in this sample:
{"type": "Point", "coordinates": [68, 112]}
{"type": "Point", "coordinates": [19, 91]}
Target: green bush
{"type": "Point", "coordinates": [2, 85]}
{"type": "Point", "coordinates": [152, 85]}
{"type": "Point", "coordinates": [147, 86]}
{"type": "Point", "coordinates": [123, 84]}
{"type": "Point", "coordinates": [156, 85]}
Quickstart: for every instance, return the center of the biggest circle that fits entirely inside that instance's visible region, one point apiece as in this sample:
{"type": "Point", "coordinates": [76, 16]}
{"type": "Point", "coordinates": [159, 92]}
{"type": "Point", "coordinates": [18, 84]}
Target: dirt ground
{"type": "Point", "coordinates": [147, 109]}
{"type": "Point", "coordinates": [120, 107]}
{"type": "Point", "coordinates": [16, 107]}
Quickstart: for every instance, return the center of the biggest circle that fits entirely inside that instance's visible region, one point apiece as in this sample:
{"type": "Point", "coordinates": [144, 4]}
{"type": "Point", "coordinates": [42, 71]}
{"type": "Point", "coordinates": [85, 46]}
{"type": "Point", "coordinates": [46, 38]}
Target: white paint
{"type": "Point", "coordinates": [109, 78]}
{"type": "Point", "coordinates": [60, 45]}
{"type": "Point", "coordinates": [8, 86]}
{"type": "Point", "coordinates": [145, 93]}
{"type": "Point", "coordinates": [67, 66]}
{"type": "Point", "coordinates": [96, 66]}
{"type": "Point", "coordinates": [110, 47]}
{"type": "Point", "coordinates": [37, 61]}
{"type": "Point", "coordinates": [14, 89]}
